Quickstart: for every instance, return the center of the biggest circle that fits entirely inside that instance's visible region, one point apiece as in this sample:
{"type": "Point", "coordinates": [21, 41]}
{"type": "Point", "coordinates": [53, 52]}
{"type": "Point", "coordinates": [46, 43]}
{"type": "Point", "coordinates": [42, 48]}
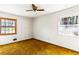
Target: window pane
{"type": "Point", "coordinates": [3, 22]}
{"type": "Point", "coordinates": [3, 31]}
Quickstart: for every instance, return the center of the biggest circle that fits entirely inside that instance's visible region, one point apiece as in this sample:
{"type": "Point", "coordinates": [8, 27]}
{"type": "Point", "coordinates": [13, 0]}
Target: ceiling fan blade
{"type": "Point", "coordinates": [40, 9]}
{"type": "Point", "coordinates": [29, 10]}
{"type": "Point", "coordinates": [34, 7]}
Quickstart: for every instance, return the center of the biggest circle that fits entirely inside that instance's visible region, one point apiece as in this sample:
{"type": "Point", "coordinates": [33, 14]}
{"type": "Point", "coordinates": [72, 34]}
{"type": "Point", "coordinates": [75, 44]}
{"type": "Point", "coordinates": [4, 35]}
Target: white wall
{"type": "Point", "coordinates": [24, 30]}
{"type": "Point", "coordinates": [46, 29]}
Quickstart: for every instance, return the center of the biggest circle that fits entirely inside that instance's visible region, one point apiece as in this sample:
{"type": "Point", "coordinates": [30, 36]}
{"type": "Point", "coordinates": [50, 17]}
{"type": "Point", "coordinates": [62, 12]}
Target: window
{"type": "Point", "coordinates": [7, 26]}
{"type": "Point", "coordinates": [68, 26]}
{"type": "Point", "coordinates": [69, 21]}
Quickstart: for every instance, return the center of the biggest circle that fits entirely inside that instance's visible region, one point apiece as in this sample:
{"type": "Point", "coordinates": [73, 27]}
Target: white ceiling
{"type": "Point", "coordinates": [19, 9]}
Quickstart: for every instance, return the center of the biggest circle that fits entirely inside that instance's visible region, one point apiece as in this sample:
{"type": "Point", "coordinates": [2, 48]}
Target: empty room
{"type": "Point", "coordinates": [39, 29]}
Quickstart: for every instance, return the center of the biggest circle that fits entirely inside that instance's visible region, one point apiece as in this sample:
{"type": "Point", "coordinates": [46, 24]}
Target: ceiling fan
{"type": "Point", "coordinates": [35, 8]}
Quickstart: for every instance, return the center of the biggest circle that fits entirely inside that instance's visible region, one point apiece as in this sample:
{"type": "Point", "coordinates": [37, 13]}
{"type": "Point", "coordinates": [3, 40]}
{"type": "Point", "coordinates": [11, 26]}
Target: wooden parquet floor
{"type": "Point", "coordinates": [34, 47]}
